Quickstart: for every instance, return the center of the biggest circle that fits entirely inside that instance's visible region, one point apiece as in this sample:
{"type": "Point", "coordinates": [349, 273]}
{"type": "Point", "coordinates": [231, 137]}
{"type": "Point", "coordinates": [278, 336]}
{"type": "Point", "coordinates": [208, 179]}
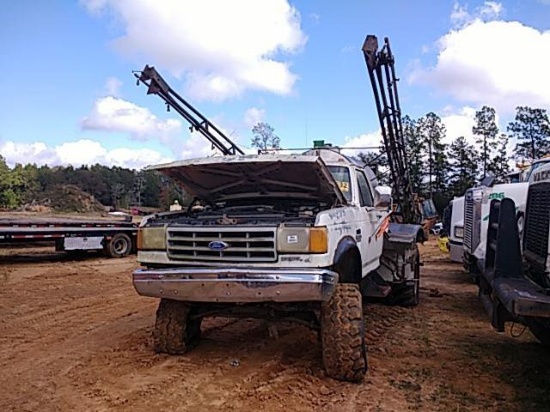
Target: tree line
{"type": "Point", "coordinates": [442, 171]}
{"type": "Point", "coordinates": [117, 187]}
{"type": "Point", "coordinates": [437, 170]}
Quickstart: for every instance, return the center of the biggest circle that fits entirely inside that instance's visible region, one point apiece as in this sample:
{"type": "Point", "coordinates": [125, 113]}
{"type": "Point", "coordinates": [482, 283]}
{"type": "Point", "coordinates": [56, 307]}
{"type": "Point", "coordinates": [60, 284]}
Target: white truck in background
{"type": "Point", "coordinates": [476, 218]}
{"type": "Point", "coordinates": [451, 239]}
{"type": "Point", "coordinates": [476, 214]}
{"type": "Point", "coordinates": [514, 280]}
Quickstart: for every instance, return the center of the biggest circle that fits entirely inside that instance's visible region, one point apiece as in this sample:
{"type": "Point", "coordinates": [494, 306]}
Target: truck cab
{"type": "Point", "coordinates": [476, 218]}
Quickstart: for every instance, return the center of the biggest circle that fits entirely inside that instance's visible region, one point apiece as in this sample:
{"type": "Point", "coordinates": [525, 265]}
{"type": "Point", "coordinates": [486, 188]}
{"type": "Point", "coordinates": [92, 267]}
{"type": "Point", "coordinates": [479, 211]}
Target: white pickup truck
{"type": "Point", "coordinates": [285, 237]}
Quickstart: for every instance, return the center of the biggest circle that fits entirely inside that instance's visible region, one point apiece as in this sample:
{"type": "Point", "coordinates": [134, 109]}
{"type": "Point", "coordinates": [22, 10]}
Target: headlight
{"type": "Point", "coordinates": [459, 232]}
{"type": "Point", "coordinates": [302, 240]}
{"type": "Point", "coordinates": [151, 238]}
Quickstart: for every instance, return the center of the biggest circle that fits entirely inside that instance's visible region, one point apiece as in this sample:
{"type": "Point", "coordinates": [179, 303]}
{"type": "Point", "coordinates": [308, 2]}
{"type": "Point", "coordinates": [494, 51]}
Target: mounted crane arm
{"type": "Point", "coordinates": [381, 70]}
{"type": "Point", "coordinates": [157, 85]}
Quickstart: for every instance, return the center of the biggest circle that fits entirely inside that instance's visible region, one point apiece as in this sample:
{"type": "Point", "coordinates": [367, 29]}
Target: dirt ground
{"type": "Point", "coordinates": [74, 335]}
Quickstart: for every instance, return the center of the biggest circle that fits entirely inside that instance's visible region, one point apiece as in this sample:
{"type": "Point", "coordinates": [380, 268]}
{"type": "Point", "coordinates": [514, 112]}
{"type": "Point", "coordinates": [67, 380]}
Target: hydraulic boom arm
{"type": "Point", "coordinates": [157, 85]}
{"type": "Point", "coordinates": [381, 70]}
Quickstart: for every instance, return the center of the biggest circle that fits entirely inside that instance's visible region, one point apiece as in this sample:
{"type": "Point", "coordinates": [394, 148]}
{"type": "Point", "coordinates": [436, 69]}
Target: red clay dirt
{"type": "Point", "coordinates": [74, 335]}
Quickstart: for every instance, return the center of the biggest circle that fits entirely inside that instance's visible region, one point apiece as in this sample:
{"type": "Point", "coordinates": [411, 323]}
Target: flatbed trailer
{"type": "Point", "coordinates": [116, 238]}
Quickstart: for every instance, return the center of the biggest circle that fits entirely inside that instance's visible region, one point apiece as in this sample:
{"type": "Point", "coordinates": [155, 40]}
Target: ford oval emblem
{"type": "Point", "coordinates": [218, 245]}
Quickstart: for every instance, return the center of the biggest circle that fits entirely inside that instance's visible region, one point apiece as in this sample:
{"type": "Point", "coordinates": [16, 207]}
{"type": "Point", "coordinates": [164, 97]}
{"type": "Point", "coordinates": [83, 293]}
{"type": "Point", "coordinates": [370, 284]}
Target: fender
{"type": "Point", "coordinates": [344, 245]}
{"type": "Point", "coordinates": [349, 274]}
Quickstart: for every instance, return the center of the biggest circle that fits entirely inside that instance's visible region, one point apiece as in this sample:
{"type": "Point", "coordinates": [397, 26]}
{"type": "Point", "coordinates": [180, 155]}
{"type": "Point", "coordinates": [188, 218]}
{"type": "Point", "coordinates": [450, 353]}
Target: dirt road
{"type": "Point", "coordinates": [74, 335]}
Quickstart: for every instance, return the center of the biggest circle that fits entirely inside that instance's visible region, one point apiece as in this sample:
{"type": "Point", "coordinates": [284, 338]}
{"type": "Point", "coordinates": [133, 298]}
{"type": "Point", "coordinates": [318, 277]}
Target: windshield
{"type": "Point", "coordinates": [341, 175]}
{"type": "Point", "coordinates": [535, 167]}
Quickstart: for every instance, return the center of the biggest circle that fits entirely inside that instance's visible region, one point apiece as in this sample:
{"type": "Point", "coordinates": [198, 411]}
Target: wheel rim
{"type": "Point", "coordinates": [120, 246]}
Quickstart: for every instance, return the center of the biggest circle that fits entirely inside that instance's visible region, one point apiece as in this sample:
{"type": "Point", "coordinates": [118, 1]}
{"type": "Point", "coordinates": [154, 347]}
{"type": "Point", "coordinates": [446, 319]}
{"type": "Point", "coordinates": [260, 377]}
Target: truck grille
{"type": "Point", "coordinates": [468, 220]}
{"type": "Point", "coordinates": [243, 244]}
{"type": "Point", "coordinates": [537, 222]}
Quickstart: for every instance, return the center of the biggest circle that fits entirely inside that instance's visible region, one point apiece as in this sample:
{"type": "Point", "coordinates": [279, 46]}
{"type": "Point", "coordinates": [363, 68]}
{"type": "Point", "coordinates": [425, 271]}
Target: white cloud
{"type": "Point", "coordinates": [24, 153]}
{"type": "Point", "coordinates": [134, 158]}
{"type": "Point", "coordinates": [363, 143]}
{"type": "Point", "coordinates": [460, 15]}
{"type": "Point", "coordinates": [117, 115]}
{"type": "Point", "coordinates": [221, 48]}
{"type": "Point", "coordinates": [459, 123]}
{"type": "Point", "coordinates": [196, 146]}
{"type": "Point", "coordinates": [490, 10]}
{"type": "Point", "coordinates": [253, 116]}
{"type": "Point", "coordinates": [81, 152]}
{"type": "Point", "coordinates": [77, 153]}
{"type": "Point", "coordinates": [112, 87]}
{"type": "Point", "coordinates": [113, 114]}
{"type": "Point", "coordinates": [502, 64]}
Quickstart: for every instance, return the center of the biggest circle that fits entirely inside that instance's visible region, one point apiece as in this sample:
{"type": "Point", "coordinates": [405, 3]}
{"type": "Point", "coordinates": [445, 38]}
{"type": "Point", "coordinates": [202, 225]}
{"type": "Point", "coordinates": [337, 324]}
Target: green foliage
{"type": "Point", "coordinates": [415, 147]}
{"type": "Point", "coordinates": [463, 161]}
{"type": "Point", "coordinates": [431, 132]}
{"type": "Point", "coordinates": [486, 130]}
{"type": "Point", "coordinates": [499, 164]}
{"type": "Point", "coordinates": [111, 186]}
{"type": "Point", "coordinates": [436, 171]}
{"type": "Point", "coordinates": [11, 184]}
{"type": "Point", "coordinates": [265, 137]}
{"type": "Point", "coordinates": [532, 127]}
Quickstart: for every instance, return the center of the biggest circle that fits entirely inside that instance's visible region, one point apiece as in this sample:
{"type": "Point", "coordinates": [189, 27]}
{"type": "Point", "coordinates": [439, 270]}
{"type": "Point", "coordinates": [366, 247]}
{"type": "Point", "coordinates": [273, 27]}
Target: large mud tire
{"type": "Point", "coordinates": [119, 246]}
{"type": "Point", "coordinates": [343, 335]}
{"type": "Point", "coordinates": [541, 329]}
{"type": "Point", "coordinates": [175, 333]}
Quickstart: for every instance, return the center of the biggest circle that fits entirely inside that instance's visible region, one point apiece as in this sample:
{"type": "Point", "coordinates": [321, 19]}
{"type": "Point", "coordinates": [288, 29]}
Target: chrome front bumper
{"type": "Point", "coordinates": [236, 285]}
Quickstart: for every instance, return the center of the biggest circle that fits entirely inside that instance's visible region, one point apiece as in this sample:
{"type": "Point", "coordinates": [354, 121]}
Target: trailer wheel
{"type": "Point", "coordinates": [407, 295]}
{"type": "Point", "coordinates": [119, 246]}
{"type": "Point", "coordinates": [541, 329]}
{"type": "Point", "coordinates": [175, 333]}
{"type": "Point", "coordinates": [343, 334]}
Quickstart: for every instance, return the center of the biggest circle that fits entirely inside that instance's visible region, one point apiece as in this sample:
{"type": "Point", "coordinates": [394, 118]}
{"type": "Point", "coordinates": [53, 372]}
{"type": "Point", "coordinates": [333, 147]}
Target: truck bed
{"type": "Point", "coordinates": [14, 229]}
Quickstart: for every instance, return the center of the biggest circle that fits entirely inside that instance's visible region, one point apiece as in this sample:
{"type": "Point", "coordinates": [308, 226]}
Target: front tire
{"type": "Point", "coordinates": [175, 332]}
{"type": "Point", "coordinates": [343, 334]}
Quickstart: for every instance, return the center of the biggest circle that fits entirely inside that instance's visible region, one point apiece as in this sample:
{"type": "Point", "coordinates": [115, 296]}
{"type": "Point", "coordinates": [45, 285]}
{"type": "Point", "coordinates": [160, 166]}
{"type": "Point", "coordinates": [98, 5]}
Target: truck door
{"type": "Point", "coordinates": [371, 242]}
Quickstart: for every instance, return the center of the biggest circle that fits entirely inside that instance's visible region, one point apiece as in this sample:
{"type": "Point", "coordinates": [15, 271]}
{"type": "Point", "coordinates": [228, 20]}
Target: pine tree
{"type": "Point", "coordinates": [499, 164]}
{"type": "Point", "coordinates": [415, 152]}
{"type": "Point", "coordinates": [486, 130]}
{"type": "Point", "coordinates": [431, 132]}
{"type": "Point", "coordinates": [533, 128]}
{"type": "Point", "coordinates": [463, 162]}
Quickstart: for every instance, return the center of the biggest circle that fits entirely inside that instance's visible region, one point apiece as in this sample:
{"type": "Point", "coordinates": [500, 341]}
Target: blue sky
{"type": "Point", "coordinates": [69, 95]}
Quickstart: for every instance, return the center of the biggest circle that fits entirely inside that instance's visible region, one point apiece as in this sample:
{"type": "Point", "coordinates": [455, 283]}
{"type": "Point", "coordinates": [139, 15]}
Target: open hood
{"type": "Point", "coordinates": [244, 177]}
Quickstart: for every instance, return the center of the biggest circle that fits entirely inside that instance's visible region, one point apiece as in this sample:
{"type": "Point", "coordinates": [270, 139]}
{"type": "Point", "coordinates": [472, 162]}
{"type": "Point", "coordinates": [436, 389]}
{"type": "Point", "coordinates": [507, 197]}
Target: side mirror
{"type": "Point", "coordinates": [382, 197]}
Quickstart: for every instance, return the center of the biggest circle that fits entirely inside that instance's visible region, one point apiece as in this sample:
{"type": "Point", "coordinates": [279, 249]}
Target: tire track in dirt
{"type": "Point", "coordinates": [87, 346]}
